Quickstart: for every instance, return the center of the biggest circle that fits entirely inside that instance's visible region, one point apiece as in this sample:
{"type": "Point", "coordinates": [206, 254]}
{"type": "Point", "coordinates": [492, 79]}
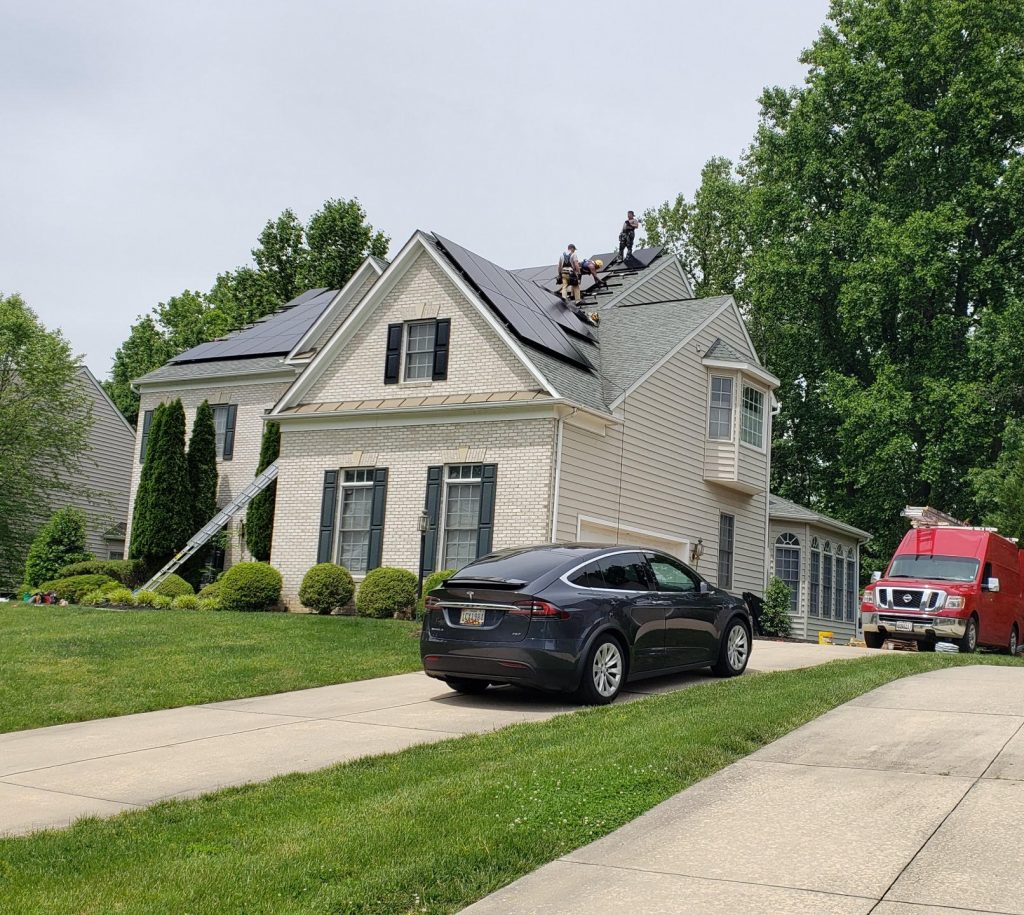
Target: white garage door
{"type": "Point", "coordinates": [593, 530]}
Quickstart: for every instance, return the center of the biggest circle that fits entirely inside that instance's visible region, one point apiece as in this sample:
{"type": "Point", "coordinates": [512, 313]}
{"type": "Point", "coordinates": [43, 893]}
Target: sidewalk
{"type": "Point", "coordinates": [907, 801]}
{"type": "Point", "coordinates": [52, 776]}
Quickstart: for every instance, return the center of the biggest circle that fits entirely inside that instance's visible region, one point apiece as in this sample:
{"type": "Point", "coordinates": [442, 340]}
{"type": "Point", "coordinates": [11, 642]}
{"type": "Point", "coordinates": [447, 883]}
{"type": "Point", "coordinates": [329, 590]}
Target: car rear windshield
{"type": "Point", "coordinates": [520, 566]}
{"type": "Point", "coordinates": [940, 568]}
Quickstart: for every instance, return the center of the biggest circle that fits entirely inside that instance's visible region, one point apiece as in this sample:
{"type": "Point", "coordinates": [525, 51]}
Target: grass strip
{"type": "Point", "coordinates": [62, 664]}
{"type": "Point", "coordinates": [432, 828]}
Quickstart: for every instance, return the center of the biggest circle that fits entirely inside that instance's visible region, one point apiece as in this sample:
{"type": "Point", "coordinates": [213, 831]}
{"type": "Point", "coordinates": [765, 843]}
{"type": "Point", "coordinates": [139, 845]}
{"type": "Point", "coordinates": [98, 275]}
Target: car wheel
{"type": "Point", "coordinates": [467, 685]}
{"type": "Point", "coordinates": [969, 643]}
{"type": "Point", "coordinates": [734, 651]}
{"type": "Point", "coordinates": [1014, 645]}
{"type": "Point", "coordinates": [874, 639]}
{"type": "Point", "coordinates": [604, 673]}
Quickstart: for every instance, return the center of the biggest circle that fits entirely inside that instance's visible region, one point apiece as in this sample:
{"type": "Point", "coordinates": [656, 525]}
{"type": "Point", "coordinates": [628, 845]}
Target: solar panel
{"type": "Point", "coordinates": [272, 335]}
{"type": "Point", "coordinates": [531, 312]}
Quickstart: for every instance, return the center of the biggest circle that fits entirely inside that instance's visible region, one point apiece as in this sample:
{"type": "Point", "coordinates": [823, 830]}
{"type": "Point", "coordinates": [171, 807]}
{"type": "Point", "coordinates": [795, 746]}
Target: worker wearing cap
{"type": "Point", "coordinates": [627, 235]}
{"type": "Point", "coordinates": [590, 266]}
{"type": "Point", "coordinates": [569, 273]}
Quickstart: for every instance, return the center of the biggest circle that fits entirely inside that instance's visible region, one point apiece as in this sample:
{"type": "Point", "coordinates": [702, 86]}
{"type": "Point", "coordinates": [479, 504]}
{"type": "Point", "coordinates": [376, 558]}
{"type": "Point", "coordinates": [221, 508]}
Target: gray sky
{"type": "Point", "coordinates": [145, 144]}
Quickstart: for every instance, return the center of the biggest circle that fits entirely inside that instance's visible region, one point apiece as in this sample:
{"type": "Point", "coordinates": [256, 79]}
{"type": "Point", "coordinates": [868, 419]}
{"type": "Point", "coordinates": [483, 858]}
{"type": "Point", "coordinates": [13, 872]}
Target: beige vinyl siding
{"type": "Point", "coordinates": [664, 286]}
{"type": "Point", "coordinates": [659, 442]}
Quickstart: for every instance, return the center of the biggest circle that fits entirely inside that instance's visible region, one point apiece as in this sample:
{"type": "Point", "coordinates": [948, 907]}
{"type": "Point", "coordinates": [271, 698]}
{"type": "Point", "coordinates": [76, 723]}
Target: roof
{"type": "Point", "coordinates": [273, 335]}
{"type": "Point", "coordinates": [783, 510]}
{"type": "Point", "coordinates": [423, 400]}
{"type": "Point", "coordinates": [724, 352]}
{"type": "Point", "coordinates": [173, 371]}
{"type": "Point", "coordinates": [616, 274]}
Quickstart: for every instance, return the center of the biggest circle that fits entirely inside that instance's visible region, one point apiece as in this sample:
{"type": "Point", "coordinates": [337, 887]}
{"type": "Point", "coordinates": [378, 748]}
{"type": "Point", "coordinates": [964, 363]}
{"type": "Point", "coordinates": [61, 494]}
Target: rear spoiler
{"type": "Point", "coordinates": [485, 582]}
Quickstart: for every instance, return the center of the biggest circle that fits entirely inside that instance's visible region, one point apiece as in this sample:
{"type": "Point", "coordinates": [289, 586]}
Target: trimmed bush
{"type": "Point", "coordinates": [120, 597]}
{"type": "Point", "coordinates": [208, 604]}
{"type": "Point", "coordinates": [174, 586]}
{"type": "Point", "coordinates": [326, 587]}
{"type": "Point", "coordinates": [775, 616]}
{"type": "Point", "coordinates": [94, 599]}
{"type": "Point", "coordinates": [385, 592]}
{"type": "Point", "coordinates": [210, 591]}
{"type": "Point", "coordinates": [185, 602]}
{"type": "Point", "coordinates": [434, 580]}
{"type": "Point", "coordinates": [76, 587]}
{"type": "Point", "coordinates": [250, 586]}
{"type": "Point", "coordinates": [147, 599]}
{"type": "Point", "coordinates": [130, 572]}
{"type": "Point", "coordinates": [60, 542]}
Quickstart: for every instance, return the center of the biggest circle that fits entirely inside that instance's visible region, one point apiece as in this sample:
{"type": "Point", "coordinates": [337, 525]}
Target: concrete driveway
{"type": "Point", "coordinates": [907, 801]}
{"type": "Point", "coordinates": [52, 776]}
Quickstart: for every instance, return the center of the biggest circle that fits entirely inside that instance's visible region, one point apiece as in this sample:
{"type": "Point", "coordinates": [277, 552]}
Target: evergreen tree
{"type": "Point", "coordinates": [202, 479]}
{"type": "Point", "coordinates": [259, 522]}
{"type": "Point", "coordinates": [142, 528]}
{"type": "Point", "coordinates": [59, 543]}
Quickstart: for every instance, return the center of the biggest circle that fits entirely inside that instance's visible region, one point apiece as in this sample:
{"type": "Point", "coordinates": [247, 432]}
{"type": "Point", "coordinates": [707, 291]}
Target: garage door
{"type": "Point", "coordinates": [592, 530]}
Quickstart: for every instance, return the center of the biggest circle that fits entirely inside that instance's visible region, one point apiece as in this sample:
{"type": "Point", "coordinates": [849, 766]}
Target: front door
{"type": "Point", "coordinates": [691, 612]}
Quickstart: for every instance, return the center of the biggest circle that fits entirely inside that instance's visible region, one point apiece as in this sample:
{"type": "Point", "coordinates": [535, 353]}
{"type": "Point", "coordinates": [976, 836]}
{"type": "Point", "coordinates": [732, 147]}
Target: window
{"type": "Point", "coordinates": [588, 576]}
{"type": "Point", "coordinates": [826, 582]}
{"type": "Point", "coordinates": [720, 411]}
{"type": "Point", "coordinates": [624, 572]}
{"type": "Point", "coordinates": [461, 515]}
{"type": "Point", "coordinates": [115, 554]}
{"type": "Point", "coordinates": [726, 536]}
{"type": "Point", "coordinates": [840, 586]}
{"type": "Point", "coordinates": [419, 351]}
{"type": "Point", "coordinates": [672, 576]}
{"type": "Point", "coordinates": [752, 417]}
{"type": "Point", "coordinates": [354, 520]}
{"type": "Point", "coordinates": [787, 566]}
{"type": "Point", "coordinates": [224, 426]}
{"type": "Point", "coordinates": [147, 421]}
{"type": "Point", "coordinates": [851, 586]}
{"type": "Point", "coordinates": [815, 582]}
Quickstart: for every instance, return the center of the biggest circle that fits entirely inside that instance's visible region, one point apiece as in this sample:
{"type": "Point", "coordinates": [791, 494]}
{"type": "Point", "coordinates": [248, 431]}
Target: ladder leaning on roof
{"type": "Point", "coordinates": [215, 524]}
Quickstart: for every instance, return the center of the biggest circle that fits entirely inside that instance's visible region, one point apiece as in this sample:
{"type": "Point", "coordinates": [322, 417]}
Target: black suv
{"type": "Point", "coordinates": [579, 618]}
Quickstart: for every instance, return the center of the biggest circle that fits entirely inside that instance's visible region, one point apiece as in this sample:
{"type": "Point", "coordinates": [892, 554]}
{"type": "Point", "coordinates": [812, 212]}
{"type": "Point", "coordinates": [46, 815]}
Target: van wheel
{"type": "Point", "coordinates": [467, 685]}
{"type": "Point", "coordinates": [603, 674]}
{"type": "Point", "coordinates": [969, 643]}
{"type": "Point", "coordinates": [874, 639]}
{"type": "Point", "coordinates": [1014, 645]}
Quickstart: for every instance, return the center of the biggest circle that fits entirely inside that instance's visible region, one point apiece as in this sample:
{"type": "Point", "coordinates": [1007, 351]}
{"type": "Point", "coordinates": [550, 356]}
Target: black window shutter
{"type": "Point", "coordinates": [147, 420]}
{"type": "Point", "coordinates": [328, 504]}
{"type": "Point", "coordinates": [441, 336]}
{"type": "Point", "coordinates": [229, 433]}
{"type": "Point", "coordinates": [380, 495]}
{"type": "Point", "coordinates": [488, 476]}
{"type": "Point", "coordinates": [393, 359]}
{"type": "Point", "coordinates": [428, 554]}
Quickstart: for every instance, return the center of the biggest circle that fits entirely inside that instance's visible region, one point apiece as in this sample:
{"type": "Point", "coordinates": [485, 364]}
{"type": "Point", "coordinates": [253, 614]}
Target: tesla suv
{"type": "Point", "coordinates": [579, 618]}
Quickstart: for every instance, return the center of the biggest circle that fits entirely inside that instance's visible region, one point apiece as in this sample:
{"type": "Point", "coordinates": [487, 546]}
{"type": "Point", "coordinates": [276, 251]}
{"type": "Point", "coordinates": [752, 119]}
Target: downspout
{"type": "Point", "coordinates": [558, 479]}
{"type": "Point", "coordinates": [776, 407]}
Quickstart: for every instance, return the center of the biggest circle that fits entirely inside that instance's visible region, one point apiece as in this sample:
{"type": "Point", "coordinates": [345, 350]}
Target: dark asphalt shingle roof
{"type": "Point", "coordinates": [213, 369]}
{"type": "Point", "coordinates": [784, 510]}
{"type": "Point", "coordinates": [726, 353]}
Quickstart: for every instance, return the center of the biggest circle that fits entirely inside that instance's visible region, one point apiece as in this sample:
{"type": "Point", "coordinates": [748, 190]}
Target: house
{"type": "Point", "coordinates": [819, 559]}
{"type": "Point", "coordinates": [100, 485]}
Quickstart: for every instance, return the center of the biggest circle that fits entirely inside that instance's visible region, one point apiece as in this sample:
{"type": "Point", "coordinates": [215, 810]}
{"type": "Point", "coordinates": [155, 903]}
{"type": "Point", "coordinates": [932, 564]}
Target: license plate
{"type": "Point", "coordinates": [472, 617]}
{"type": "Point", "coordinates": [904, 626]}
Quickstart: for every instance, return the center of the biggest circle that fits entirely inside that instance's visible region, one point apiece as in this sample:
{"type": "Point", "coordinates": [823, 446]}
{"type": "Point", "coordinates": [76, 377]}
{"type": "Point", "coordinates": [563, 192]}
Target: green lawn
{"type": "Point", "coordinates": [60, 664]}
{"type": "Point", "coordinates": [432, 828]}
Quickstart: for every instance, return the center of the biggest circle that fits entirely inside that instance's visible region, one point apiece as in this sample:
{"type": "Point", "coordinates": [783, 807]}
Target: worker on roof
{"type": "Point", "coordinates": [569, 273]}
{"type": "Point", "coordinates": [627, 235]}
{"type": "Point", "coordinates": [590, 266]}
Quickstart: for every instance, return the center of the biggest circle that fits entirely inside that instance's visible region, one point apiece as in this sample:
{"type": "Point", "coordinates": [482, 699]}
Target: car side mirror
{"type": "Point", "coordinates": [991, 584]}
{"type": "Point", "coordinates": [705, 588]}
{"type": "Point", "coordinates": [876, 576]}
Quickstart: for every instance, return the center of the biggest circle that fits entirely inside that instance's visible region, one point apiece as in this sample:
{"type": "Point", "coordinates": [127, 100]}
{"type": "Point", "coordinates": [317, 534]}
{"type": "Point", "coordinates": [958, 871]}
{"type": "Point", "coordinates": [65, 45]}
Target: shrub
{"type": "Point", "coordinates": [259, 518]}
{"type": "Point", "coordinates": [185, 602]}
{"type": "Point", "coordinates": [146, 599]}
{"type": "Point", "coordinates": [775, 616]}
{"type": "Point", "coordinates": [385, 592]}
{"type": "Point", "coordinates": [94, 599]}
{"type": "Point", "coordinates": [60, 542]}
{"type": "Point", "coordinates": [326, 587]}
{"type": "Point", "coordinates": [129, 572]}
{"type": "Point", "coordinates": [76, 587]}
{"type": "Point", "coordinates": [120, 597]}
{"type": "Point", "coordinates": [174, 586]}
{"type": "Point", "coordinates": [250, 586]}
{"type": "Point", "coordinates": [212, 590]}
{"type": "Point", "coordinates": [207, 604]}
{"type": "Point", "coordinates": [434, 580]}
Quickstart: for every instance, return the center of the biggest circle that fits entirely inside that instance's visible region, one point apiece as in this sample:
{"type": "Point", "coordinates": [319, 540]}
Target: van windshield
{"type": "Point", "coordinates": [942, 568]}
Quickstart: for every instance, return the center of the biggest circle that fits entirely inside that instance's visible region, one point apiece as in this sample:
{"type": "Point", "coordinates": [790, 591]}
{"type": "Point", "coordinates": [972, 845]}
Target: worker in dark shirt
{"type": "Point", "coordinates": [627, 235]}
{"type": "Point", "coordinates": [590, 266]}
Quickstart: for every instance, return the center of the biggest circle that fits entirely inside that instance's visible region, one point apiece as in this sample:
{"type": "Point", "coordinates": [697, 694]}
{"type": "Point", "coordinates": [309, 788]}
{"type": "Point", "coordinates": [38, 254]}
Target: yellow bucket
{"type": "Point", "coordinates": [826, 638]}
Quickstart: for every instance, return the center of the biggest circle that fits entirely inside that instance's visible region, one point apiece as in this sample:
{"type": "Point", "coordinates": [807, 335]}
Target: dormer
{"type": "Point", "coordinates": [740, 402]}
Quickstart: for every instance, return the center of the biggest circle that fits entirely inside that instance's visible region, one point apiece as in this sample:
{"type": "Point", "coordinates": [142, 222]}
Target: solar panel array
{"type": "Point", "coordinates": [534, 314]}
{"type": "Point", "coordinates": [545, 276]}
{"type": "Point", "coordinates": [274, 335]}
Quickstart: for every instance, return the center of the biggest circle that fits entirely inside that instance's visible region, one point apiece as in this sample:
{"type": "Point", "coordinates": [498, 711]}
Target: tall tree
{"type": "Point", "coordinates": [202, 467]}
{"type": "Point", "coordinates": [1000, 488]}
{"type": "Point", "coordinates": [59, 543]}
{"type": "Point", "coordinates": [45, 419]}
{"type": "Point", "coordinates": [190, 319]}
{"type": "Point", "coordinates": [146, 349]}
{"type": "Point", "coordinates": [259, 521]}
{"type": "Point", "coordinates": [280, 255]}
{"type": "Point", "coordinates": [142, 531]}
{"type": "Point", "coordinates": [339, 239]}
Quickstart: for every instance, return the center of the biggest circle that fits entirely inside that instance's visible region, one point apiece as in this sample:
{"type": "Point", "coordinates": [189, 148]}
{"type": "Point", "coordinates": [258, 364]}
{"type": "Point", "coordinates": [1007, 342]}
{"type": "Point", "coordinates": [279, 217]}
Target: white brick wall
{"type": "Point", "coordinates": [252, 401]}
{"type": "Point", "coordinates": [478, 360]}
{"type": "Point", "coordinates": [522, 449]}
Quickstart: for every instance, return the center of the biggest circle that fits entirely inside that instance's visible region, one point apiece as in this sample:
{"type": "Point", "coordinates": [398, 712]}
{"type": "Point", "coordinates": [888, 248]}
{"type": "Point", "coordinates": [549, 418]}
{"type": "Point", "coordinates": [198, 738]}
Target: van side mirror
{"type": "Point", "coordinates": [876, 576]}
{"type": "Point", "coordinates": [990, 584]}
{"type": "Point", "coordinates": [705, 588]}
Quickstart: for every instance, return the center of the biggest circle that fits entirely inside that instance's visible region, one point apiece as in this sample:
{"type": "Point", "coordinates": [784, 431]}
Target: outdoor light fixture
{"type": "Point", "coordinates": [424, 521]}
{"type": "Point", "coordinates": [696, 551]}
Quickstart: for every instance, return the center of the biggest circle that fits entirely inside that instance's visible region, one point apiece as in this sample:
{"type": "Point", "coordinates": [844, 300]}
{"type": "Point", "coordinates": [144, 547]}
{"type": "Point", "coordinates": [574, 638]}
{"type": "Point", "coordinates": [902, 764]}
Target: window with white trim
{"type": "Point", "coordinates": [726, 541]}
{"type": "Point", "coordinates": [752, 417]}
{"type": "Point", "coordinates": [851, 586]}
{"type": "Point", "coordinates": [814, 604]}
{"type": "Point", "coordinates": [222, 426]}
{"type": "Point", "coordinates": [419, 350]}
{"type": "Point", "coordinates": [826, 581]}
{"type": "Point", "coordinates": [840, 583]}
{"type": "Point", "coordinates": [720, 409]}
{"type": "Point", "coordinates": [354, 515]}
{"type": "Point", "coordinates": [461, 515]}
{"type": "Point", "coordinates": [787, 566]}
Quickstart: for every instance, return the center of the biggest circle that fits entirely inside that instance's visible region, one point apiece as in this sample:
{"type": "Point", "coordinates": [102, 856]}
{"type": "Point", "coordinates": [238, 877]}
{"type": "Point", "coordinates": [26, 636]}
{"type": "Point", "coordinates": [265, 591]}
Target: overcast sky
{"type": "Point", "coordinates": [144, 145]}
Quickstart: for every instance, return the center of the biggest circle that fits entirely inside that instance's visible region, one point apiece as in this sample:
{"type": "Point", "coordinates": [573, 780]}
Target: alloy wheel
{"type": "Point", "coordinates": [737, 647]}
{"type": "Point", "coordinates": [607, 669]}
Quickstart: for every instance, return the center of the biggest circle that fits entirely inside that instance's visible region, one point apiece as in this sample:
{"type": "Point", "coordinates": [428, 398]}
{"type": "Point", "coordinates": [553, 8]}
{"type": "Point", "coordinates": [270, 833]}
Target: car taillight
{"type": "Point", "coordinates": [539, 608]}
{"type": "Point", "coordinates": [432, 603]}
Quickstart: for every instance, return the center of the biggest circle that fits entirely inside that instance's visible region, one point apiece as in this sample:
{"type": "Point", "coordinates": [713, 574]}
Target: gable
{"type": "Point", "coordinates": [479, 360]}
{"type": "Point", "coordinates": [664, 284]}
{"type": "Point", "coordinates": [338, 319]}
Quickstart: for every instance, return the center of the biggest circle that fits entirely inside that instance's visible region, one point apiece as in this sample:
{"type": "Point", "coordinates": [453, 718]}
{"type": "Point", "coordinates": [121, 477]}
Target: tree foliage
{"type": "Point", "coordinates": [45, 417]}
{"type": "Point", "coordinates": [289, 258]}
{"type": "Point", "coordinates": [259, 520]}
{"type": "Point", "coordinates": [202, 466]}
{"type": "Point", "coordinates": [59, 543]}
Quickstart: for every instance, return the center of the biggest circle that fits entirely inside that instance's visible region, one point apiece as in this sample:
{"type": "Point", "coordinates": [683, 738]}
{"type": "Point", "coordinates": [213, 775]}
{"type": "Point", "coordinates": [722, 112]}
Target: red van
{"type": "Point", "coordinates": [953, 584]}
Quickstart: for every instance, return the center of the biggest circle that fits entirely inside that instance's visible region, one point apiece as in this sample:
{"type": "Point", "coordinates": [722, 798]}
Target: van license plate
{"type": "Point", "coordinates": [904, 626]}
{"type": "Point", "coordinates": [472, 617]}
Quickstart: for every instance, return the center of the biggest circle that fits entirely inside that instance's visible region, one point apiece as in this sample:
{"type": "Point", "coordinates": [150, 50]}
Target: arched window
{"type": "Point", "coordinates": [815, 582]}
{"type": "Point", "coordinates": [826, 581]}
{"type": "Point", "coordinates": [787, 567]}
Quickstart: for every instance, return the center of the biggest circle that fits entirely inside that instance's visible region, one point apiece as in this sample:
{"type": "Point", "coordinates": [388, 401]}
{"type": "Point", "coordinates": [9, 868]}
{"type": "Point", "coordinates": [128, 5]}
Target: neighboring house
{"type": "Point", "coordinates": [819, 559]}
